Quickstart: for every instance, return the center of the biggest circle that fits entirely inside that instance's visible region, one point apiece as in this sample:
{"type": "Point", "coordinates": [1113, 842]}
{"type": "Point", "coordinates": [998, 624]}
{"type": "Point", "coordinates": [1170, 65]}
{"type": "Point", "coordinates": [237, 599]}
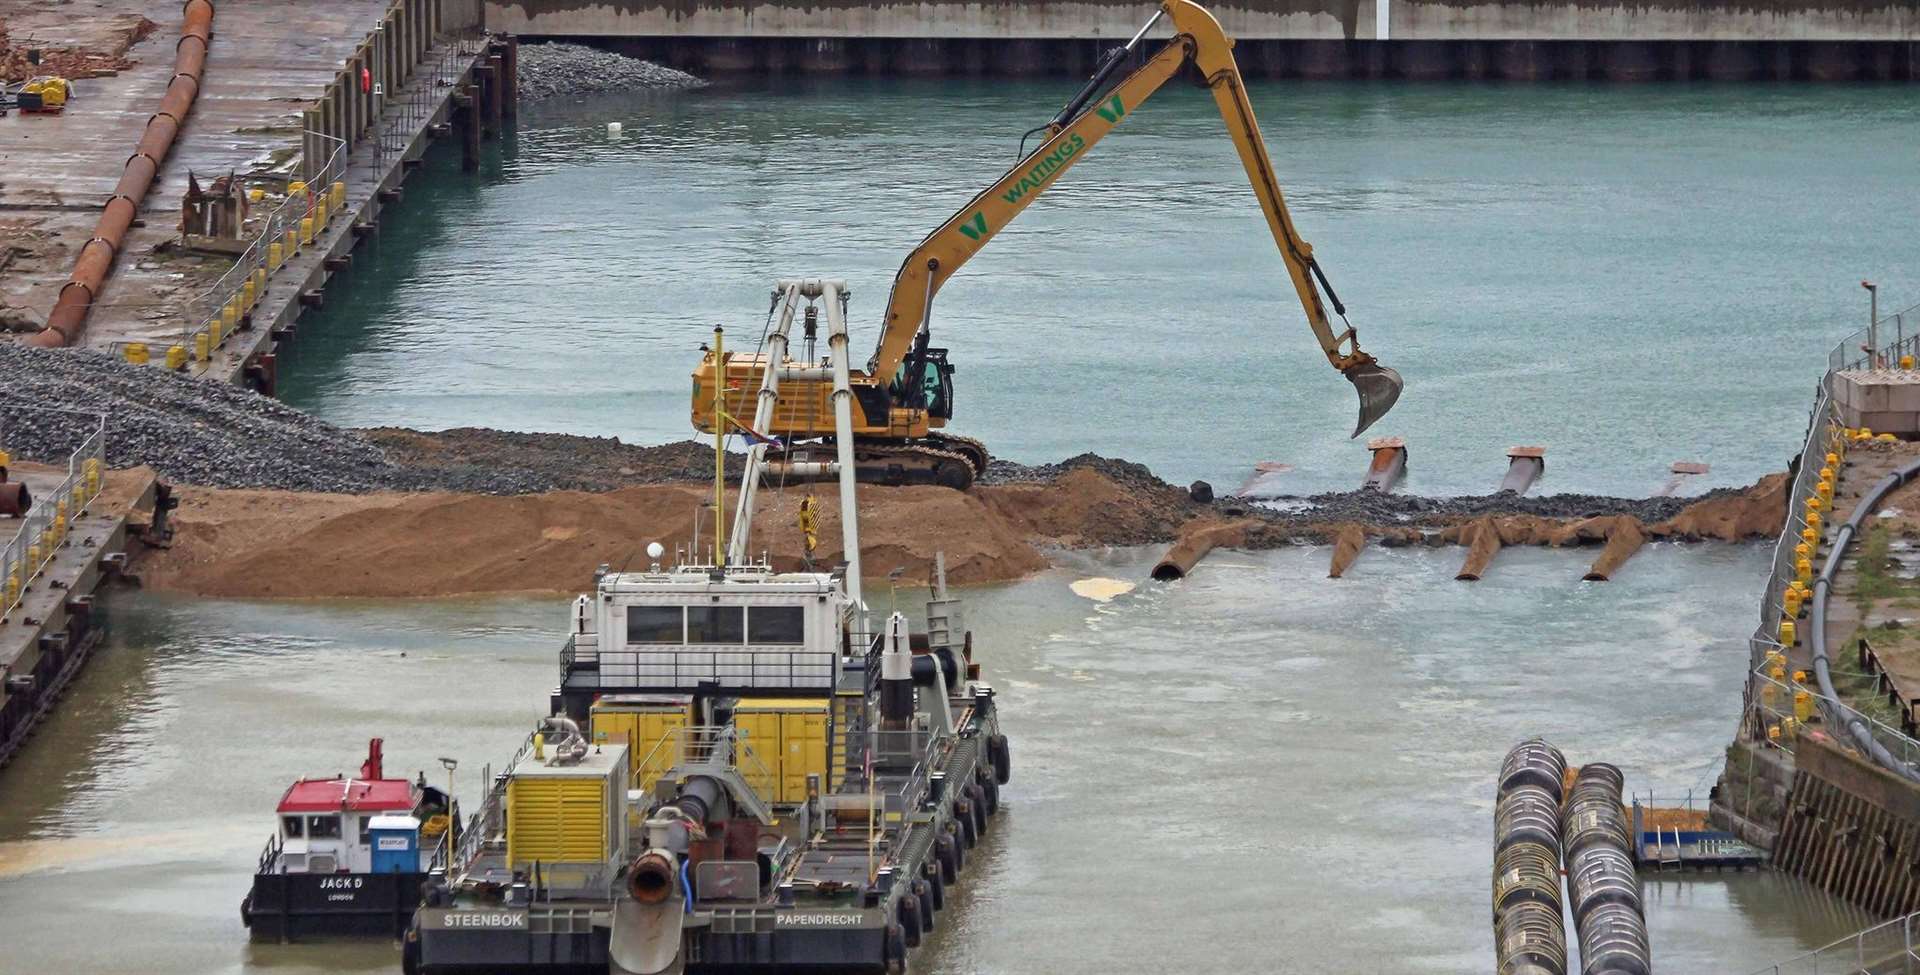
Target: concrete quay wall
{"type": "Point", "coordinates": [1417, 39]}
{"type": "Point", "coordinates": [1584, 20]}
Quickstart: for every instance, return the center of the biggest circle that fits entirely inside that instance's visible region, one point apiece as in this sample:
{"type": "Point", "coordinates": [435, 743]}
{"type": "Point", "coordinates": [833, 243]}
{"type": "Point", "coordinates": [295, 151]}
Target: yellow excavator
{"type": "Point", "coordinates": [905, 394]}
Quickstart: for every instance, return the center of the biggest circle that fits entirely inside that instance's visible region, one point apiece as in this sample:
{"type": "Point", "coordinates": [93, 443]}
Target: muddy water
{"type": "Point", "coordinates": [1254, 770]}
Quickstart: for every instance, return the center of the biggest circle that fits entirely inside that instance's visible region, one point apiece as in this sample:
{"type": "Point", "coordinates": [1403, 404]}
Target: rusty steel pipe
{"type": "Point", "coordinates": [95, 261]}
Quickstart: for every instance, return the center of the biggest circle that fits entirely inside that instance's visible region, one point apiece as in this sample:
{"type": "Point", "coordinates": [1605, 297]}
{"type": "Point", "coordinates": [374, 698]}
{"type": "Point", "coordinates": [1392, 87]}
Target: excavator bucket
{"type": "Point", "coordinates": [1379, 389]}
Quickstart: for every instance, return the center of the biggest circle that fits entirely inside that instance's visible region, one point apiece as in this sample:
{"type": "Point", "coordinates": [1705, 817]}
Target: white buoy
{"type": "Point", "coordinates": [613, 130]}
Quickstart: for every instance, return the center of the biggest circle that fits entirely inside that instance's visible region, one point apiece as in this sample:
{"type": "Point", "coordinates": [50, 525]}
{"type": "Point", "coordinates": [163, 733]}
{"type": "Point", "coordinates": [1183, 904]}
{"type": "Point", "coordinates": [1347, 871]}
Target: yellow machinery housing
{"type": "Point", "coordinates": [788, 737]}
{"type": "Point", "coordinates": [568, 813]}
{"type": "Point", "coordinates": [44, 94]}
{"type": "Point", "coordinates": [642, 722]}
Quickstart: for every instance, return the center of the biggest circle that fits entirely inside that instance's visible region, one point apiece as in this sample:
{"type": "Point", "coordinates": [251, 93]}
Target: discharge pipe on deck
{"type": "Point", "coordinates": [77, 297]}
{"type": "Point", "coordinates": [1817, 637]}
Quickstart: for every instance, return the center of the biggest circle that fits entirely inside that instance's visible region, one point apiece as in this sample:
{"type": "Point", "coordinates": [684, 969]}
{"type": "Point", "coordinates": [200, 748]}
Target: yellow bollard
{"type": "Point", "coordinates": [1786, 633]}
{"type": "Point", "coordinates": [1790, 603]}
{"type": "Point", "coordinates": [213, 334]}
{"type": "Point", "coordinates": [33, 556]}
{"type": "Point", "coordinates": [1825, 490]}
{"type": "Point", "coordinates": [1815, 504]}
{"type": "Point", "coordinates": [320, 214]}
{"type": "Point", "coordinates": [176, 357]}
{"type": "Point", "coordinates": [13, 588]}
{"type": "Point", "coordinates": [1833, 460]}
{"type": "Point", "coordinates": [1813, 520]}
{"type": "Point", "coordinates": [59, 520]}
{"type": "Point", "coordinates": [1802, 706]}
{"type": "Point", "coordinates": [1906, 362]}
{"type": "Point", "coordinates": [246, 294]}
{"type": "Point", "coordinates": [306, 230]}
{"type": "Point", "coordinates": [136, 353]}
{"type": "Point", "coordinates": [291, 243]}
{"type": "Point", "coordinates": [259, 283]}
{"type": "Point", "coordinates": [256, 194]}
{"type": "Point", "coordinates": [230, 315]}
{"type": "Point", "coordinates": [1769, 695]}
{"type": "Point", "coordinates": [338, 194]}
{"type": "Point", "coordinates": [1789, 727]}
{"type": "Point", "coordinates": [1773, 734]}
{"type": "Point", "coordinates": [274, 255]}
{"type": "Point", "coordinates": [1811, 536]}
{"type": "Point", "coordinates": [1799, 676]}
{"type": "Point", "coordinates": [201, 349]}
{"type": "Point", "coordinates": [92, 476]}
{"type": "Point", "coordinates": [1826, 473]}
{"type": "Point", "coordinates": [296, 190]}
{"type": "Point", "coordinates": [1776, 660]}
{"type": "Point", "coordinates": [1803, 551]}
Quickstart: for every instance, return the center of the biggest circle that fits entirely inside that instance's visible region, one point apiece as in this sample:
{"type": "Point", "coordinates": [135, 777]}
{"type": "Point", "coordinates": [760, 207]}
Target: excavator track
{"type": "Point", "coordinates": [952, 462]}
{"type": "Point", "coordinates": [975, 450]}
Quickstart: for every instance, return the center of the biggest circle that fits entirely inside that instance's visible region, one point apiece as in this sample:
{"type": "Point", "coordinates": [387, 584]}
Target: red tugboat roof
{"type": "Point", "coordinates": [334, 795]}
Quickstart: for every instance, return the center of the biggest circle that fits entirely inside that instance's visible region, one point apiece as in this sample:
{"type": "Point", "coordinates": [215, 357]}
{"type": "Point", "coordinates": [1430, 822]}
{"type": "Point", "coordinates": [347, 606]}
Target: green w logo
{"type": "Point", "coordinates": [975, 228]}
{"type": "Point", "coordinates": [1112, 110]}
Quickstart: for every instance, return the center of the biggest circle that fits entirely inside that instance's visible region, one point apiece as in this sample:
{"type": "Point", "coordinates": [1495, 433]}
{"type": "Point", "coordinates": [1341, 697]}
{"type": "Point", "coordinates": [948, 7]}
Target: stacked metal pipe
{"type": "Point", "coordinates": [1529, 938]}
{"type": "Point", "coordinates": [1601, 881]}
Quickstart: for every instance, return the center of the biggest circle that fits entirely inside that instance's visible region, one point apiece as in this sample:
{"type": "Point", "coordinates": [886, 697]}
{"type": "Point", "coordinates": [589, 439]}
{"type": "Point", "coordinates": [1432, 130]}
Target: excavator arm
{"type": "Point", "coordinates": [1087, 118]}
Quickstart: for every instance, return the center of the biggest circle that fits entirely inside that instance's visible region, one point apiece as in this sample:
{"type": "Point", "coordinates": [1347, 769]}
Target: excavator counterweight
{"type": "Point", "coordinates": [905, 394]}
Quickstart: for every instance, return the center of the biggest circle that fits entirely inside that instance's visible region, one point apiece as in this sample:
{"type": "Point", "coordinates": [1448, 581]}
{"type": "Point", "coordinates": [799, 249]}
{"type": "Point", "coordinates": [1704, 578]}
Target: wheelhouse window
{"type": "Point", "coordinates": [291, 825]}
{"type": "Point", "coordinates": [776, 624]}
{"type": "Point", "coordinates": [654, 624]}
{"type": "Point", "coordinates": [323, 827]}
{"type": "Point", "coordinates": [366, 831]}
{"type": "Point", "coordinates": [716, 624]}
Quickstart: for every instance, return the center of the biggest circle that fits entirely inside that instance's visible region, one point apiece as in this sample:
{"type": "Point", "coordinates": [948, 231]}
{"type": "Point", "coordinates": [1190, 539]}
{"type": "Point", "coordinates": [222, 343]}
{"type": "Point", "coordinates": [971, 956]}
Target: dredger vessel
{"type": "Point", "coordinates": [739, 773]}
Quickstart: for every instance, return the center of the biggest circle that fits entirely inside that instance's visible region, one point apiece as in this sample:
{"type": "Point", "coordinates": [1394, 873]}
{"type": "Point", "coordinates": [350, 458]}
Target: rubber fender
{"type": "Point", "coordinates": [909, 914]}
{"type": "Point", "coordinates": [997, 753]}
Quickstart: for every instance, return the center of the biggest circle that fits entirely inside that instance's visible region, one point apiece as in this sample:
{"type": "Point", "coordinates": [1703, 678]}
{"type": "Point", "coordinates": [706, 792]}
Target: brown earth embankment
{"type": "Point", "coordinates": [278, 544]}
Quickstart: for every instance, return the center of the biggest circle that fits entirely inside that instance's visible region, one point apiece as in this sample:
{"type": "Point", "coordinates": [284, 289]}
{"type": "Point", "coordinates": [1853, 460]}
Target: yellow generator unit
{"type": "Point", "coordinates": [44, 94]}
{"type": "Point", "coordinates": [565, 811]}
{"type": "Point", "coordinates": [788, 739]}
{"type": "Point", "coordinates": [643, 723]}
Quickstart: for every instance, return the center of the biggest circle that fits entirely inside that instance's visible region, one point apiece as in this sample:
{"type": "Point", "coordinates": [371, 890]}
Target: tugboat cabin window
{"type": "Point", "coordinates": [323, 827]}
{"type": "Point", "coordinates": [716, 624]}
{"type": "Point", "coordinates": [655, 624]}
{"type": "Point", "coordinates": [366, 831]}
{"type": "Point", "coordinates": [776, 624]}
{"type": "Point", "coordinates": [291, 825]}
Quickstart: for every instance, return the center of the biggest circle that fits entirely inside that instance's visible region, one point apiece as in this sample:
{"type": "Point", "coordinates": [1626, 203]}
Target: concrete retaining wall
{"type": "Point", "coordinates": [1587, 20]}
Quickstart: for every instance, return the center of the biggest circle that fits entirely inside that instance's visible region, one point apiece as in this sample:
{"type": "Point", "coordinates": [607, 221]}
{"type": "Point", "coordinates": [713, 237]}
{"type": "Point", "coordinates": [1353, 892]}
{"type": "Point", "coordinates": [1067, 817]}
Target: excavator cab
{"type": "Point", "coordinates": [925, 382]}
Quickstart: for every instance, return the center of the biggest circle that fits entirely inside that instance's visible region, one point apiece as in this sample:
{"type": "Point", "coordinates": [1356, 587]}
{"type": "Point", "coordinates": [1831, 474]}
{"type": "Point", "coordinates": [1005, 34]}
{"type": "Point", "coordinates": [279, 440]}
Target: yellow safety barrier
{"type": "Point", "coordinates": [306, 230]}
{"type": "Point", "coordinates": [1811, 536]}
{"type": "Point", "coordinates": [275, 255]}
{"type": "Point", "coordinates": [91, 475]}
{"type": "Point", "coordinates": [215, 332]}
{"type": "Point", "coordinates": [1802, 706]}
{"type": "Point", "coordinates": [1825, 490]}
{"type": "Point", "coordinates": [246, 294]}
{"type": "Point", "coordinates": [13, 586]}
{"type": "Point", "coordinates": [1813, 520]}
{"type": "Point", "coordinates": [59, 520]}
{"type": "Point", "coordinates": [176, 357]}
{"type": "Point", "coordinates": [136, 353]}
{"type": "Point", "coordinates": [33, 555]}
{"type": "Point", "coordinates": [259, 283]}
{"type": "Point", "coordinates": [230, 315]}
{"type": "Point", "coordinates": [291, 245]}
{"type": "Point", "coordinates": [1790, 603]}
{"type": "Point", "coordinates": [1787, 634]}
{"type": "Point", "coordinates": [201, 349]}
{"type": "Point", "coordinates": [338, 194]}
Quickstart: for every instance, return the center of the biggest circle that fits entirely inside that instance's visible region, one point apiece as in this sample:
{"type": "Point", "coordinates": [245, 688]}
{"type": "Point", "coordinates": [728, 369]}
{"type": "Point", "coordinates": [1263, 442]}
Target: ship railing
{"type": "Point", "coordinates": [876, 761]}
{"type": "Point", "coordinates": [1896, 335]}
{"type": "Point", "coordinates": [45, 527]}
{"type": "Point", "coordinates": [690, 747]}
{"type": "Point", "coordinates": [269, 857]}
{"type": "Point", "coordinates": [1893, 946]}
{"type": "Point", "coordinates": [728, 665]}
{"type": "Point", "coordinates": [490, 821]}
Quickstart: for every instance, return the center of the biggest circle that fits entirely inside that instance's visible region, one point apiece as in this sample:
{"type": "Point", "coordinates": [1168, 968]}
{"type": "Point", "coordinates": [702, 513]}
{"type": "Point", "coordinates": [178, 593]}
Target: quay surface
{"type": "Point", "coordinates": [267, 63]}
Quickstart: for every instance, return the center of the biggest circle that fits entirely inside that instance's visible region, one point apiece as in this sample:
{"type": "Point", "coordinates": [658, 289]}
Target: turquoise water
{"type": "Point", "coordinates": [1630, 275]}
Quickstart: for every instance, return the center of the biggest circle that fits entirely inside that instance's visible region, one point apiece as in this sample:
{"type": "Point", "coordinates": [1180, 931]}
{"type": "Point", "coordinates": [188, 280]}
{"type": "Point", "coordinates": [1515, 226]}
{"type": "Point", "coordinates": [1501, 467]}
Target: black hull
{"type": "Point", "coordinates": [292, 906]}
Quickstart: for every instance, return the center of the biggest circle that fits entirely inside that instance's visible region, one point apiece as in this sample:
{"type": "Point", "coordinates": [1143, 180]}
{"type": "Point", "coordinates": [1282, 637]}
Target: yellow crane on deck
{"type": "Point", "coordinates": [905, 394]}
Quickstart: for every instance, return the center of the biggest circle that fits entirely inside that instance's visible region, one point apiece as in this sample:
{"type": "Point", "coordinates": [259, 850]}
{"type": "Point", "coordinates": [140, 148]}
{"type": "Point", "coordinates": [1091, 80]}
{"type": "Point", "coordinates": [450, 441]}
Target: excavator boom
{"type": "Point", "coordinates": [1199, 40]}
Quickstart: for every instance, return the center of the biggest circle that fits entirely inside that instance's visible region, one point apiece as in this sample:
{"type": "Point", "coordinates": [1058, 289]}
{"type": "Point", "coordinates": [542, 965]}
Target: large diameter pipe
{"type": "Point", "coordinates": [650, 880]}
{"type": "Point", "coordinates": [843, 441]}
{"type": "Point", "coordinates": [95, 261]}
{"type": "Point", "coordinates": [1191, 547]}
{"type": "Point", "coordinates": [776, 352]}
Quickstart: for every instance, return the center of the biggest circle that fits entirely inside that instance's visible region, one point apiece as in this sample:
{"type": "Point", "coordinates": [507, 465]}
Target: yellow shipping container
{"type": "Point", "coordinates": [788, 738]}
{"type": "Point", "coordinates": [567, 813]}
{"type": "Point", "coordinates": [641, 722]}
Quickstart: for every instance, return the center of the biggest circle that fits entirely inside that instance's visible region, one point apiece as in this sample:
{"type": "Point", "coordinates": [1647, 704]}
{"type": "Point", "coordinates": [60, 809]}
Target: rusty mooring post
{"type": "Point", "coordinates": [510, 76]}
{"type": "Point", "coordinates": [1525, 467]}
{"type": "Point", "coordinates": [467, 108]}
{"type": "Point", "coordinates": [485, 78]}
{"type": "Point", "coordinates": [496, 92]}
{"type": "Point", "coordinates": [1389, 463]}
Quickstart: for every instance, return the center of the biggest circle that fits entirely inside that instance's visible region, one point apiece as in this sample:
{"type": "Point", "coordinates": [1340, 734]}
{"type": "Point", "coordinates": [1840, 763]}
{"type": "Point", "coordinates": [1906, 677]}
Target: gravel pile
{"type": "Point", "coordinates": [554, 70]}
{"type": "Point", "coordinates": [198, 432]}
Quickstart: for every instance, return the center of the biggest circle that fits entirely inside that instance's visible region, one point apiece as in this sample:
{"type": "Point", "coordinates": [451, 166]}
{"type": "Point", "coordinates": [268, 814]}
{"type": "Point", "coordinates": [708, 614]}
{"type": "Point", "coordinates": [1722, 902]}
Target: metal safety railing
{"type": "Point", "coordinates": [1892, 948]}
{"type": "Point", "coordinates": [1824, 428]}
{"type": "Point", "coordinates": [45, 526]}
{"type": "Point", "coordinates": [409, 111]}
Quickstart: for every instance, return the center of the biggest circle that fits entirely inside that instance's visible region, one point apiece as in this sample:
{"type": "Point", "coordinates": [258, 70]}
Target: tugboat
{"type": "Point", "coordinates": [737, 773]}
{"type": "Point", "coordinates": [348, 855]}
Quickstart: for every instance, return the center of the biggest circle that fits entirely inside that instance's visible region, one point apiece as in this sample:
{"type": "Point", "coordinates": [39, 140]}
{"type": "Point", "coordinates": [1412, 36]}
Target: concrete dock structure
{"type": "Point", "coordinates": [1416, 39]}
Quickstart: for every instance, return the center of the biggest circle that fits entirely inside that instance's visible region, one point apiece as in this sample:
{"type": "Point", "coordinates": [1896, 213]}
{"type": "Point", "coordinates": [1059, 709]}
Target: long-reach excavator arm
{"type": "Point", "coordinates": [1198, 39]}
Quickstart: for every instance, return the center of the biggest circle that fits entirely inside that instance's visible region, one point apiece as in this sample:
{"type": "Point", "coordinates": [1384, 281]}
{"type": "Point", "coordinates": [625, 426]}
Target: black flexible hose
{"type": "Point", "coordinates": [1817, 639]}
